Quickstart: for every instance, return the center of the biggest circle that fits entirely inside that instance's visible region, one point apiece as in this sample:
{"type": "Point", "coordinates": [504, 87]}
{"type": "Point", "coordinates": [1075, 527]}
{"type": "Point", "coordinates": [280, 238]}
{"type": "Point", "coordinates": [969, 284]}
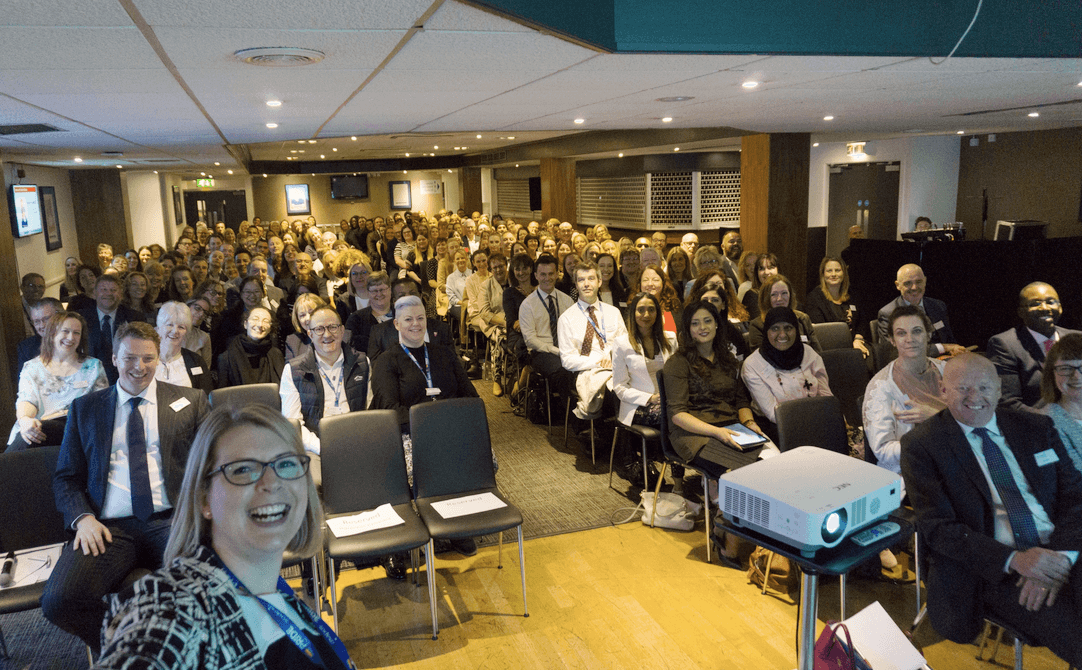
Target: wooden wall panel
{"type": "Point", "coordinates": [99, 211]}
{"type": "Point", "coordinates": [558, 198]}
{"type": "Point", "coordinates": [11, 309]}
{"type": "Point", "coordinates": [754, 190]}
{"type": "Point", "coordinates": [790, 156]}
{"type": "Point", "coordinates": [471, 189]}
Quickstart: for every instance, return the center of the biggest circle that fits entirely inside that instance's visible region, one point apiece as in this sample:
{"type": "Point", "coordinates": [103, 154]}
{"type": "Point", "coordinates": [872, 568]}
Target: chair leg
{"type": "Point", "coordinates": [431, 569]}
{"type": "Point", "coordinates": [548, 402]}
{"type": "Point", "coordinates": [645, 469]}
{"type": "Point", "coordinates": [841, 596]}
{"type": "Point", "coordinates": [916, 567]}
{"type": "Point", "coordinates": [593, 451]}
{"type": "Point", "coordinates": [1018, 647]}
{"type": "Point", "coordinates": [657, 492]}
{"type": "Point", "coordinates": [766, 573]}
{"type": "Point", "coordinates": [612, 452]}
{"type": "Point", "coordinates": [415, 564]}
{"type": "Point", "coordinates": [706, 510]}
{"type": "Point", "coordinates": [567, 419]}
{"type": "Point", "coordinates": [522, 572]}
{"type": "Point", "coordinates": [499, 556]}
{"type": "Point", "coordinates": [332, 580]}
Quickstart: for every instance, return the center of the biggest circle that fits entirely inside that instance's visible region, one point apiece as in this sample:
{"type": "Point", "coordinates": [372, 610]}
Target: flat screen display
{"type": "Point", "coordinates": [24, 201]}
{"type": "Point", "coordinates": [349, 186]}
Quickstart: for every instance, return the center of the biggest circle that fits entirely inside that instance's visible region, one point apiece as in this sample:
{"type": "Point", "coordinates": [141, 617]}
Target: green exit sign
{"type": "Point", "coordinates": [204, 183]}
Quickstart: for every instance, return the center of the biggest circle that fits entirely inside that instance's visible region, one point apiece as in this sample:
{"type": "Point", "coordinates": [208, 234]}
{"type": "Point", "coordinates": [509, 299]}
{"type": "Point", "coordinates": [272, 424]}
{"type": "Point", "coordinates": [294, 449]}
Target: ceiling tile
{"type": "Point", "coordinates": [278, 14]}
{"type": "Point", "coordinates": [459, 17]}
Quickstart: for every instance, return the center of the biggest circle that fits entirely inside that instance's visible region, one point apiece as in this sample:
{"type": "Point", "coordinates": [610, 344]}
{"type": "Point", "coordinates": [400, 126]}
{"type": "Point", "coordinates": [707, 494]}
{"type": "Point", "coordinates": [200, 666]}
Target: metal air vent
{"type": "Point", "coordinates": [279, 56]}
{"type": "Point", "coordinates": [27, 128]}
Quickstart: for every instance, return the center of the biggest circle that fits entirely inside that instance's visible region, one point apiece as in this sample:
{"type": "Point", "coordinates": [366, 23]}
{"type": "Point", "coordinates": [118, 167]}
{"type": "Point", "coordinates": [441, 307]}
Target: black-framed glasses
{"type": "Point", "coordinates": [249, 471]}
{"type": "Point", "coordinates": [331, 330]}
{"type": "Point", "coordinates": [1064, 370]}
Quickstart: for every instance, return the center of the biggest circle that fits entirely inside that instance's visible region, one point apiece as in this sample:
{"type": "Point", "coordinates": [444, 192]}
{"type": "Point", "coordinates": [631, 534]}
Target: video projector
{"type": "Point", "coordinates": [808, 497]}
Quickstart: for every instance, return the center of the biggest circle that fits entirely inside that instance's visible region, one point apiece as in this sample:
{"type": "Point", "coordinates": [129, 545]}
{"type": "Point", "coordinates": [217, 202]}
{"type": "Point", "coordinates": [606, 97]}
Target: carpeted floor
{"type": "Point", "coordinates": [558, 490]}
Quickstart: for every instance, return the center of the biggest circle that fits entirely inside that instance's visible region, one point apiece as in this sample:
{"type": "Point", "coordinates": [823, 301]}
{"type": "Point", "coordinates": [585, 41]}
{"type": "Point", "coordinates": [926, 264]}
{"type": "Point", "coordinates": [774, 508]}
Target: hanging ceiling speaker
{"type": "Point", "coordinates": [279, 56]}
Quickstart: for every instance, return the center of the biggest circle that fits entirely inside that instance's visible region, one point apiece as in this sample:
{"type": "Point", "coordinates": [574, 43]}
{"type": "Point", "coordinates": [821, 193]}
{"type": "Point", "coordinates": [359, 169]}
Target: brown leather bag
{"type": "Point", "coordinates": [768, 570]}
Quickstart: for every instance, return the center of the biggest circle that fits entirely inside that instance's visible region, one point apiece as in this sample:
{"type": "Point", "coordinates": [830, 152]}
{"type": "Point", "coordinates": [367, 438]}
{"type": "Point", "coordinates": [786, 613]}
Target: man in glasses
{"type": "Point", "coordinates": [117, 476]}
{"type": "Point", "coordinates": [1019, 353]}
{"type": "Point", "coordinates": [330, 379]}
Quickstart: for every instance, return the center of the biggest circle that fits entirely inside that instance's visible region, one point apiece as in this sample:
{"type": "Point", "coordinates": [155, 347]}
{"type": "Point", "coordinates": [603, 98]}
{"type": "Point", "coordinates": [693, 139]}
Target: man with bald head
{"type": "Point", "coordinates": [689, 243]}
{"type": "Point", "coordinates": [659, 240]}
{"type": "Point", "coordinates": [911, 285]}
{"type": "Point", "coordinates": [998, 502]}
{"type": "Point", "coordinates": [1019, 353]}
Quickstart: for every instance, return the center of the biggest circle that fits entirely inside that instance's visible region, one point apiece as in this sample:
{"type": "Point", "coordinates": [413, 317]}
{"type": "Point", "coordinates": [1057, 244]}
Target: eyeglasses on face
{"type": "Point", "coordinates": [249, 471]}
{"type": "Point", "coordinates": [1067, 370]}
{"type": "Point", "coordinates": [330, 330]}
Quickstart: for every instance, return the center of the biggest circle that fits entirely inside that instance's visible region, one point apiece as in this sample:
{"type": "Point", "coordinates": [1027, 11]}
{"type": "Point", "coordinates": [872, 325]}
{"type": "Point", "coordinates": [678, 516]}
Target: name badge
{"type": "Point", "coordinates": [197, 370]}
{"type": "Point", "coordinates": [81, 385]}
{"type": "Point", "coordinates": [1046, 457]}
{"type": "Point", "coordinates": [431, 392]}
{"type": "Point", "coordinates": [938, 325]}
{"type": "Point", "coordinates": [180, 404]}
{"type": "Point", "coordinates": [804, 339]}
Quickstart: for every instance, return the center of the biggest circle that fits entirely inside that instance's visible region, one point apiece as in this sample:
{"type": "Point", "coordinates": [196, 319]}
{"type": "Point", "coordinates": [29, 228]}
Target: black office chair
{"type": "Point", "coordinates": [835, 335]}
{"type": "Point", "coordinates": [359, 475]}
{"type": "Point", "coordinates": [247, 394]}
{"type": "Point", "coordinates": [816, 422]}
{"type": "Point", "coordinates": [672, 457]}
{"type": "Point", "coordinates": [452, 458]}
{"type": "Point", "coordinates": [848, 376]}
{"type": "Point", "coordinates": [644, 433]}
{"type": "Point", "coordinates": [28, 519]}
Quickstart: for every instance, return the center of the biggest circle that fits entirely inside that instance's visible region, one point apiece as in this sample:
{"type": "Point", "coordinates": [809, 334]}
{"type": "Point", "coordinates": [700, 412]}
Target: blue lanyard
{"type": "Point", "coordinates": [427, 369]}
{"type": "Point", "coordinates": [293, 631]}
{"type": "Point", "coordinates": [599, 330]}
{"type": "Point", "coordinates": [333, 383]}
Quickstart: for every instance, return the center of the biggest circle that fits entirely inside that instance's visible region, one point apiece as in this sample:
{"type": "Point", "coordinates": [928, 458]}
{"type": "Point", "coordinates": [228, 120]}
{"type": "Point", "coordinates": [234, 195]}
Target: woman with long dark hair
{"type": "Point", "coordinates": [766, 266]}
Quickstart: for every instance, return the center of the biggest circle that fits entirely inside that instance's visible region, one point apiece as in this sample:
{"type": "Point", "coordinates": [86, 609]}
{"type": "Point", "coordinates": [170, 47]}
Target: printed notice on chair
{"type": "Point", "coordinates": [383, 516]}
{"type": "Point", "coordinates": [482, 502]}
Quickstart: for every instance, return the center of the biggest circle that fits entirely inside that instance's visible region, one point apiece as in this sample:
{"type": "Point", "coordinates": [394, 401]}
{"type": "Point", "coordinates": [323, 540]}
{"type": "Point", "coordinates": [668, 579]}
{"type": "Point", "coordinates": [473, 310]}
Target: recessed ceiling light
{"type": "Point", "coordinates": [272, 125]}
{"type": "Point", "coordinates": [436, 146]}
{"type": "Point", "coordinates": [354, 138]}
{"type": "Point", "coordinates": [292, 151]}
{"type": "Point", "coordinates": [828, 118]}
{"type": "Point", "coordinates": [1034, 115]}
{"type": "Point", "coordinates": [407, 155]}
{"type": "Point", "coordinates": [155, 172]}
{"type": "Point", "coordinates": [677, 98]}
{"type": "Point", "coordinates": [209, 176]}
{"type": "Point", "coordinates": [404, 172]}
{"type": "Point", "coordinates": [961, 132]}
{"type": "Point", "coordinates": [676, 148]}
{"type": "Point", "coordinates": [458, 148]}
{"type": "Point", "coordinates": [202, 174]}
{"type": "Point", "coordinates": [667, 119]}
{"type": "Point", "coordinates": [302, 151]}
{"type": "Point", "coordinates": [1080, 83]}
{"type": "Point", "coordinates": [78, 160]}
{"type": "Point", "coordinates": [300, 141]}
{"type": "Point", "coordinates": [120, 166]}
{"type": "Point", "coordinates": [750, 84]}
{"type": "Point", "coordinates": [322, 155]}
{"type": "Point", "coordinates": [619, 155]}
{"type": "Point", "coordinates": [229, 171]}
{"type": "Point", "coordinates": [217, 163]}
{"type": "Point", "coordinates": [334, 148]}
{"type": "Point", "coordinates": [516, 164]}
{"type": "Point", "coordinates": [580, 121]}
{"type": "Point", "coordinates": [815, 144]}
{"type": "Point", "coordinates": [264, 175]}
{"type": "Point", "coordinates": [311, 141]}
{"type": "Point", "coordinates": [274, 103]}
{"type": "Point", "coordinates": [478, 137]}
{"type": "Point", "coordinates": [510, 137]}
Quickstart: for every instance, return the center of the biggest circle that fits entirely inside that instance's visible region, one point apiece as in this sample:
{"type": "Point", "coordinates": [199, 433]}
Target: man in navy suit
{"type": "Point", "coordinates": [40, 313]}
{"type": "Point", "coordinates": [911, 284]}
{"type": "Point", "coordinates": [105, 320]}
{"type": "Point", "coordinates": [117, 476]}
{"type": "Point", "coordinates": [1018, 353]}
{"type": "Point", "coordinates": [998, 504]}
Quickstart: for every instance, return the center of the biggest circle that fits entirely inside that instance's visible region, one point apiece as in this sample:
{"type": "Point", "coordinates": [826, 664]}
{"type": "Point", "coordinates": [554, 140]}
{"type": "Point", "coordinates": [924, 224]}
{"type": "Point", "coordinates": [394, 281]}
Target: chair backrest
{"type": "Point", "coordinates": [362, 460]}
{"type": "Point", "coordinates": [834, 335]}
{"type": "Point", "coordinates": [452, 451]}
{"type": "Point", "coordinates": [28, 516]}
{"type": "Point", "coordinates": [815, 422]}
{"type": "Point", "coordinates": [247, 394]}
{"type": "Point", "coordinates": [666, 446]}
{"type": "Point", "coordinates": [848, 374]}
{"type": "Point", "coordinates": [874, 334]}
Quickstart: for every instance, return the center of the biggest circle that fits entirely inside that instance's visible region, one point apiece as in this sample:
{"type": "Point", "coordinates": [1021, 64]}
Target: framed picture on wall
{"type": "Point", "coordinates": [50, 217]}
{"type": "Point", "coordinates": [297, 199]}
{"type": "Point", "coordinates": [400, 195]}
{"type": "Point", "coordinates": [178, 208]}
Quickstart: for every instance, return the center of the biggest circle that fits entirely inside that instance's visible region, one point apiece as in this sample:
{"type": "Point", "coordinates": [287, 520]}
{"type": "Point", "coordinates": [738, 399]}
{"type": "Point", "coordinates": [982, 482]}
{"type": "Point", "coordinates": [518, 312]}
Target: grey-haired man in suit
{"type": "Point", "coordinates": [117, 476]}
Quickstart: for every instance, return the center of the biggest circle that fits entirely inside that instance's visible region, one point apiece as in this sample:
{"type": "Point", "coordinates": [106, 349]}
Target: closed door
{"type": "Point", "coordinates": [210, 207]}
{"type": "Point", "coordinates": [864, 194]}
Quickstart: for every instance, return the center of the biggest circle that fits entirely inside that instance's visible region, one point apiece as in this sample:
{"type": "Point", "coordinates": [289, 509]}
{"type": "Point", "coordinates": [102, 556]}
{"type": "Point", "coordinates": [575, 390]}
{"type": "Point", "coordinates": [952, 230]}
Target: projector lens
{"type": "Point", "coordinates": [834, 525]}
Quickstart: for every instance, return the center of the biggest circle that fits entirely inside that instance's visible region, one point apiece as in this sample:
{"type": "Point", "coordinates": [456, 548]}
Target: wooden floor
{"type": "Point", "coordinates": [620, 597]}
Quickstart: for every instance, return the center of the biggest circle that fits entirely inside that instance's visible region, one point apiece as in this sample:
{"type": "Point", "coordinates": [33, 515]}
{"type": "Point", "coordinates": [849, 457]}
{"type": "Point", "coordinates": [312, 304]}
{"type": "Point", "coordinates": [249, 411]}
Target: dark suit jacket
{"type": "Point", "coordinates": [82, 468]}
{"type": "Point", "coordinates": [27, 349]}
{"type": "Point", "coordinates": [955, 517]}
{"type": "Point", "coordinates": [1019, 361]}
{"type": "Point", "coordinates": [98, 348]}
{"type": "Point", "coordinates": [936, 311]}
{"type": "Point", "coordinates": [197, 370]}
{"type": "Point", "coordinates": [384, 336]}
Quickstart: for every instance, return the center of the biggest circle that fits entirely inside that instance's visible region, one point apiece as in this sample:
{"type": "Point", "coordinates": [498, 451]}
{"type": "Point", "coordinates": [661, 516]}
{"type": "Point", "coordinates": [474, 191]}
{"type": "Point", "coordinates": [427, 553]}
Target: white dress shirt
{"type": "Point", "coordinates": [572, 330]}
{"type": "Point", "coordinates": [533, 319]}
{"type": "Point", "coordinates": [117, 502]}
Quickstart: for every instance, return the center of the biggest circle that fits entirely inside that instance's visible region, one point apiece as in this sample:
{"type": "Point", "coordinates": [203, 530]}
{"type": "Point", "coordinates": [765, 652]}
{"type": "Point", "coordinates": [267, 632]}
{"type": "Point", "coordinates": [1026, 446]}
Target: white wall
{"type": "Point", "coordinates": [928, 179]}
{"type": "Point", "coordinates": [452, 191]}
{"type": "Point", "coordinates": [144, 209]}
{"type": "Point", "coordinates": [30, 253]}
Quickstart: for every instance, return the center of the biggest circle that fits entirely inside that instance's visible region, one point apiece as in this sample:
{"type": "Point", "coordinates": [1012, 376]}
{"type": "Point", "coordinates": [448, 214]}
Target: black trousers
{"type": "Point", "coordinates": [1058, 627]}
{"type": "Point", "coordinates": [73, 598]}
{"type": "Point", "coordinates": [548, 366]}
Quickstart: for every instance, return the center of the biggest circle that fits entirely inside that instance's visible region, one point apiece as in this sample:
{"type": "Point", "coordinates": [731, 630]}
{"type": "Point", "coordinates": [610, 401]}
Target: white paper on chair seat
{"type": "Point", "coordinates": [482, 502]}
{"type": "Point", "coordinates": [881, 642]}
{"type": "Point", "coordinates": [383, 516]}
{"type": "Point", "coordinates": [34, 565]}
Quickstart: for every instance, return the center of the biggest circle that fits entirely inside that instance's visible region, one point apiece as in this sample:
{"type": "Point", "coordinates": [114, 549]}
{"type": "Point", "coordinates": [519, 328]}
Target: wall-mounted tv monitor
{"type": "Point", "coordinates": [345, 187]}
{"type": "Point", "coordinates": [24, 201]}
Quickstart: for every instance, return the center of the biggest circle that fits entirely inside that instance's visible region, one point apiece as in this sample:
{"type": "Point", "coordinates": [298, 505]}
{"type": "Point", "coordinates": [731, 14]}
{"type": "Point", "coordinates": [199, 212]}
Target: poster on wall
{"type": "Point", "coordinates": [400, 195]}
{"type": "Point", "coordinates": [297, 199]}
{"type": "Point", "coordinates": [431, 186]}
{"type": "Point", "coordinates": [51, 219]}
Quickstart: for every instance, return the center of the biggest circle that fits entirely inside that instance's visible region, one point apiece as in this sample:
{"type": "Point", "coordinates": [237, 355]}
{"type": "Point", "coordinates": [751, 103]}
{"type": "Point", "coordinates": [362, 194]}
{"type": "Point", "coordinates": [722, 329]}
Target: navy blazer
{"type": "Point", "coordinates": [82, 468]}
{"type": "Point", "coordinates": [98, 348]}
{"type": "Point", "coordinates": [955, 516]}
{"type": "Point", "coordinates": [1019, 361]}
{"type": "Point", "coordinates": [27, 349]}
{"type": "Point", "coordinates": [937, 313]}
{"type": "Point", "coordinates": [197, 370]}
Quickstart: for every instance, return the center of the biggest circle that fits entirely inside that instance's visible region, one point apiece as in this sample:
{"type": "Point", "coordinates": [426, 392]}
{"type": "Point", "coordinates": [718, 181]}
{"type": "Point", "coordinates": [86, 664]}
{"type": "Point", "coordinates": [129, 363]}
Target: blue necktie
{"type": "Point", "coordinates": [107, 336]}
{"type": "Point", "coordinates": [1018, 512]}
{"type": "Point", "coordinates": [142, 504]}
